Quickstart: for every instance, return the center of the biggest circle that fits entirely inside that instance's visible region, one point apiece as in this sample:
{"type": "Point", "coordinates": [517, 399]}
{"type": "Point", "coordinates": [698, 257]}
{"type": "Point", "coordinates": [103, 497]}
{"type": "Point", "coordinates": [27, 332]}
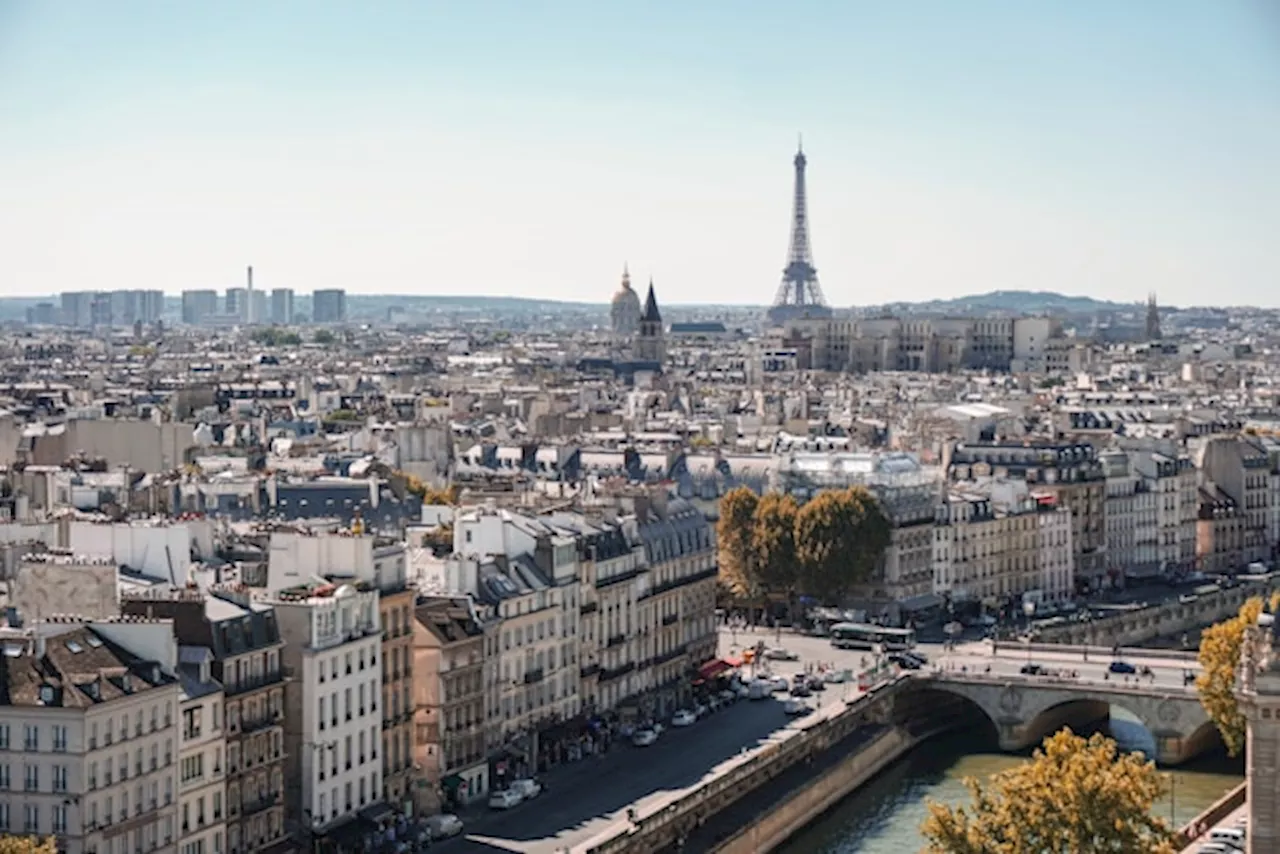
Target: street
{"type": "Point", "coordinates": [583, 799]}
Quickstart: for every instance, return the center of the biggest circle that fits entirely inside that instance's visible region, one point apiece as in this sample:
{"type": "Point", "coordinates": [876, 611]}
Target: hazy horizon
{"type": "Point", "coordinates": [502, 148]}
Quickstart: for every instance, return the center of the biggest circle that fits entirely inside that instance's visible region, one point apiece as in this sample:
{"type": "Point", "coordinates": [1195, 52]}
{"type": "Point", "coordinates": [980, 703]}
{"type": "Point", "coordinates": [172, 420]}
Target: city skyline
{"type": "Point", "coordinates": [501, 151]}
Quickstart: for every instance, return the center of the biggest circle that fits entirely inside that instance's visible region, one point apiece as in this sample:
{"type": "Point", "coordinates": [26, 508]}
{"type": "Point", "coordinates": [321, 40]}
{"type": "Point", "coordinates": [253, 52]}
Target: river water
{"type": "Point", "coordinates": [884, 816]}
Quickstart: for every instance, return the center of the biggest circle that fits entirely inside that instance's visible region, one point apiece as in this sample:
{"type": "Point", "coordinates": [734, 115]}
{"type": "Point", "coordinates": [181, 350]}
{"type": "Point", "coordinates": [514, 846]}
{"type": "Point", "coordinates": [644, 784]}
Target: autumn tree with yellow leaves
{"type": "Point", "coordinates": [1075, 795]}
{"type": "Point", "coordinates": [28, 845]}
{"type": "Point", "coordinates": [1220, 647]}
{"type": "Point", "coordinates": [773, 545]}
{"type": "Point", "coordinates": [736, 532]}
{"type": "Point", "coordinates": [840, 536]}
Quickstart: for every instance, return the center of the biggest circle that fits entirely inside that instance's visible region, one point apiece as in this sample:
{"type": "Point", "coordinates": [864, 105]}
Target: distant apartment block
{"type": "Point", "coordinates": [85, 309]}
{"type": "Point", "coordinates": [329, 306]}
{"type": "Point", "coordinates": [199, 306]}
{"type": "Point", "coordinates": [282, 306]}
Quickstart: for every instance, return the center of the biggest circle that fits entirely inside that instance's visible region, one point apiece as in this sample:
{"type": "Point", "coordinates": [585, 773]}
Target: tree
{"type": "Point", "coordinates": [28, 845]}
{"type": "Point", "coordinates": [324, 337]}
{"type": "Point", "coordinates": [840, 536]}
{"type": "Point", "coordinates": [735, 532]}
{"type": "Point", "coordinates": [774, 567]}
{"type": "Point", "coordinates": [1220, 646]}
{"type": "Point", "coordinates": [1074, 796]}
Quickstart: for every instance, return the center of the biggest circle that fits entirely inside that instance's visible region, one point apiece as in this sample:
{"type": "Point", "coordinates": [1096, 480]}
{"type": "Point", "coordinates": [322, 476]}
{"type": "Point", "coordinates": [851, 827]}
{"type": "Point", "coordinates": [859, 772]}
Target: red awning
{"type": "Point", "coordinates": [714, 668]}
{"type": "Point", "coordinates": [733, 662]}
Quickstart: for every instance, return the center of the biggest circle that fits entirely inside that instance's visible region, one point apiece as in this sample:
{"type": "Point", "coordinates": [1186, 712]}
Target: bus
{"type": "Point", "coordinates": [866, 636]}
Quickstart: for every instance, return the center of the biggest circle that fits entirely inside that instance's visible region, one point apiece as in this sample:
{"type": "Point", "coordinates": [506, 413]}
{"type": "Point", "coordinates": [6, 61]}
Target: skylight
{"type": "Point", "coordinates": [74, 646]}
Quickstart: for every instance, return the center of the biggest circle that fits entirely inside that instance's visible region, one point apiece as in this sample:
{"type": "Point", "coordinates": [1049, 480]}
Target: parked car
{"type": "Point", "coordinates": [527, 788]}
{"type": "Point", "coordinates": [816, 683]}
{"type": "Point", "coordinates": [780, 653]}
{"type": "Point", "coordinates": [906, 662]}
{"type": "Point", "coordinates": [443, 826]}
{"type": "Point", "coordinates": [1032, 670]}
{"type": "Point", "coordinates": [780, 684]}
{"type": "Point", "coordinates": [800, 689]}
{"type": "Point", "coordinates": [796, 707]}
{"type": "Point", "coordinates": [1122, 667]}
{"type": "Point", "coordinates": [504, 799]}
{"type": "Point", "coordinates": [644, 737]}
{"type": "Point", "coordinates": [700, 710]}
{"type": "Point", "coordinates": [684, 717]}
{"type": "Point", "coordinates": [759, 690]}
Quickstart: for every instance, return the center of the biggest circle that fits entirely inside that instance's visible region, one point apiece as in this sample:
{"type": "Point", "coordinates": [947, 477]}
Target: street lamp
{"type": "Point", "coordinates": [1028, 608]}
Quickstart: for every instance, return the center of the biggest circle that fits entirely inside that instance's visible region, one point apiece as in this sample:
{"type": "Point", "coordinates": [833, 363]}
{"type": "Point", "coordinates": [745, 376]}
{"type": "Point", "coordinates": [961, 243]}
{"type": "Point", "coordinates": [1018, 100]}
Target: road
{"type": "Point", "coordinates": [973, 656]}
{"type": "Point", "coordinates": [583, 799]}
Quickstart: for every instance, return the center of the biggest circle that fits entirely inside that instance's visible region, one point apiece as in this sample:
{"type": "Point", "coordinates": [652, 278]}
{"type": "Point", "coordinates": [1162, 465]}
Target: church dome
{"type": "Point", "coordinates": [625, 311]}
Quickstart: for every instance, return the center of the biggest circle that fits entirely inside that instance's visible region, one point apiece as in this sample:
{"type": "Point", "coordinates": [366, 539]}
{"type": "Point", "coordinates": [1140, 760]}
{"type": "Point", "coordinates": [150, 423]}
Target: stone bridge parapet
{"type": "Point", "coordinates": [1025, 710]}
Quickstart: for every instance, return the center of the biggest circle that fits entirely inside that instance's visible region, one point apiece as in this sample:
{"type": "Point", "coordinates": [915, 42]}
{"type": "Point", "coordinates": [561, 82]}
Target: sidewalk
{"type": "Point", "coordinates": [564, 774]}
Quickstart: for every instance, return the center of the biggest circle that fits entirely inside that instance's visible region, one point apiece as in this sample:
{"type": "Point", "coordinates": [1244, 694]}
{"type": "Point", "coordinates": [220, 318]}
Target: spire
{"type": "Point", "coordinates": [626, 276]}
{"type": "Point", "coordinates": [651, 313]}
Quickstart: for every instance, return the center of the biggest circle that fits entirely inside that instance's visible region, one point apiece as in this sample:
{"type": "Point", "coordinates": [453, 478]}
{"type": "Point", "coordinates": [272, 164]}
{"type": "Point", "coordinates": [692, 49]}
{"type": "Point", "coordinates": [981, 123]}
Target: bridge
{"type": "Point", "coordinates": [1025, 709]}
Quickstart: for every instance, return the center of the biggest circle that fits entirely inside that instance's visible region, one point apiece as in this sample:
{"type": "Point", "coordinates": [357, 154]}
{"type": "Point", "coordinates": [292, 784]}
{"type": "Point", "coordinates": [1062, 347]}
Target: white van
{"type": "Point", "coordinates": [1230, 835]}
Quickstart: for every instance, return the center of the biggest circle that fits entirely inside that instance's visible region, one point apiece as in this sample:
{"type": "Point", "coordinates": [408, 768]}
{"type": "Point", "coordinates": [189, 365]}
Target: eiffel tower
{"type": "Point", "coordinates": [799, 294]}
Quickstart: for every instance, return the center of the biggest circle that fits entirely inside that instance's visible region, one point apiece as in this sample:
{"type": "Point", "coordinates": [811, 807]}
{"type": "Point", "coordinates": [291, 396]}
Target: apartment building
{"type": "Point", "coordinates": [1173, 480]}
{"type": "Point", "coordinates": [1071, 473]}
{"type": "Point", "coordinates": [613, 585]}
{"type": "Point", "coordinates": [1132, 520]}
{"type": "Point", "coordinates": [677, 606]}
{"type": "Point", "coordinates": [525, 571]}
{"type": "Point", "coordinates": [333, 731]}
{"type": "Point", "coordinates": [1238, 469]}
{"type": "Point", "coordinates": [449, 719]}
{"type": "Point", "coordinates": [202, 745]}
{"type": "Point", "coordinates": [377, 561]}
{"type": "Point", "coordinates": [243, 644]}
{"type": "Point", "coordinates": [987, 547]}
{"type": "Point", "coordinates": [88, 741]}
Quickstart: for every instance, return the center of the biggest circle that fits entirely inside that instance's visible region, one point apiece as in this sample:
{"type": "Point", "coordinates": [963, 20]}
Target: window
{"type": "Point", "coordinates": [30, 737]}
{"type": "Point", "coordinates": [31, 778]}
{"type": "Point", "coordinates": [322, 713]}
{"type": "Point", "coordinates": [31, 818]}
{"type": "Point", "coordinates": [191, 723]}
{"type": "Point", "coordinates": [59, 778]}
{"type": "Point", "coordinates": [60, 739]}
{"type": "Point", "coordinates": [4, 777]}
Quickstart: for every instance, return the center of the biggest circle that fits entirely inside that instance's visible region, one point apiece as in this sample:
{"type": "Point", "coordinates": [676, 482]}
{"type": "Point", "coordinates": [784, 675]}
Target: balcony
{"type": "Point", "coordinates": [616, 672]}
{"type": "Point", "coordinates": [259, 723]}
{"type": "Point", "coordinates": [670, 655]}
{"type": "Point", "coordinates": [535, 675]}
{"type": "Point", "coordinates": [246, 685]}
{"type": "Point", "coordinates": [670, 619]}
{"type": "Point", "coordinates": [588, 670]}
{"type": "Point", "coordinates": [588, 608]}
{"type": "Point", "coordinates": [258, 805]}
{"type": "Point", "coordinates": [616, 640]}
{"type": "Point", "coordinates": [681, 582]}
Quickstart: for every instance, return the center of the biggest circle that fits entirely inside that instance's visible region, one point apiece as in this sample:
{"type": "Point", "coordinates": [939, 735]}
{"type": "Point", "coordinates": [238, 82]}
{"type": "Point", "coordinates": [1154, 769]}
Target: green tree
{"type": "Point", "coordinates": [735, 532]}
{"type": "Point", "coordinates": [1220, 647]}
{"type": "Point", "coordinates": [1075, 796]}
{"type": "Point", "coordinates": [28, 845]}
{"type": "Point", "coordinates": [840, 536]}
{"type": "Point", "coordinates": [324, 337]}
{"type": "Point", "coordinates": [774, 567]}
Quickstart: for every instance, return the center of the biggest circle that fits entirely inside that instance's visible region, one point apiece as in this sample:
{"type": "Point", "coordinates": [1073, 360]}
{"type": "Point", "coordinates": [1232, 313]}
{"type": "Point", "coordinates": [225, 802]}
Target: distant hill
{"type": "Point", "coordinates": [1011, 302]}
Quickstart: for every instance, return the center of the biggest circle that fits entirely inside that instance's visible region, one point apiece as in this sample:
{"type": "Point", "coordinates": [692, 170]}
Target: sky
{"type": "Point", "coordinates": [534, 147]}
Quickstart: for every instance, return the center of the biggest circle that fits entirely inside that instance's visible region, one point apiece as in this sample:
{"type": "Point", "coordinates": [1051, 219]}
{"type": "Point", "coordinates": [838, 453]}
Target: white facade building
{"type": "Point", "coordinates": [1055, 551]}
{"type": "Point", "coordinates": [202, 781]}
{"type": "Point", "coordinates": [333, 721]}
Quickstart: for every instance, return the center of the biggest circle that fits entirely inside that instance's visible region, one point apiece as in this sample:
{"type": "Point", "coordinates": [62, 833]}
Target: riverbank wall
{"type": "Point", "coordinates": [800, 807]}
{"type": "Point", "coordinates": [1133, 628]}
{"type": "Point", "coordinates": [1211, 816]}
{"type": "Point", "coordinates": [658, 827]}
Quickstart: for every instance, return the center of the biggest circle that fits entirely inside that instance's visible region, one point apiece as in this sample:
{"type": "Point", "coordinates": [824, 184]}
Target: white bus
{"type": "Point", "coordinates": [866, 636]}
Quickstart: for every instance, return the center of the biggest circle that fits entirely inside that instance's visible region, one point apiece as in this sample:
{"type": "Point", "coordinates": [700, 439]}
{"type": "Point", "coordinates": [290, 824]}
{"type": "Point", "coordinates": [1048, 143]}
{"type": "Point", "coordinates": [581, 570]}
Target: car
{"type": "Point", "coordinates": [800, 689]}
{"type": "Point", "coordinates": [796, 708]}
{"type": "Point", "coordinates": [759, 690]}
{"type": "Point", "coordinates": [906, 662]}
{"type": "Point", "coordinates": [684, 717]}
{"type": "Point", "coordinates": [644, 737]}
{"type": "Point", "coordinates": [728, 695]}
{"type": "Point", "coordinates": [700, 710]}
{"type": "Point", "coordinates": [443, 826]}
{"type": "Point", "coordinates": [1030, 669]}
{"type": "Point", "coordinates": [527, 788]}
{"type": "Point", "coordinates": [504, 799]}
{"type": "Point", "coordinates": [658, 729]}
{"type": "Point", "coordinates": [780, 653]}
{"type": "Point", "coordinates": [817, 683]}
{"type": "Point", "coordinates": [1122, 667]}
{"type": "Point", "coordinates": [779, 684]}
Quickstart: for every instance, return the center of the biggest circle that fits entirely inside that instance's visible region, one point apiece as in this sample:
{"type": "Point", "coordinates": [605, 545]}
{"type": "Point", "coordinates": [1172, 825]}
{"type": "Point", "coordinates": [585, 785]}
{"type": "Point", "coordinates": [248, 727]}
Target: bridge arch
{"type": "Point", "coordinates": [1025, 711]}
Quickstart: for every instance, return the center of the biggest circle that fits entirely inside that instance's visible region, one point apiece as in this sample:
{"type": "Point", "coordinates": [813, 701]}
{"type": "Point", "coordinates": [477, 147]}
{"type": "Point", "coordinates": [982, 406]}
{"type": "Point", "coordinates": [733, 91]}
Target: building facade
{"type": "Point", "coordinates": [88, 741]}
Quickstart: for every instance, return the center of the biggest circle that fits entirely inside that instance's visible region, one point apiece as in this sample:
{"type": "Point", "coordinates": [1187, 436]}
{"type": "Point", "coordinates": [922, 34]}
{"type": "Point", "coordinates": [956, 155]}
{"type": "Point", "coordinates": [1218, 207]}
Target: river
{"type": "Point", "coordinates": [884, 816]}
